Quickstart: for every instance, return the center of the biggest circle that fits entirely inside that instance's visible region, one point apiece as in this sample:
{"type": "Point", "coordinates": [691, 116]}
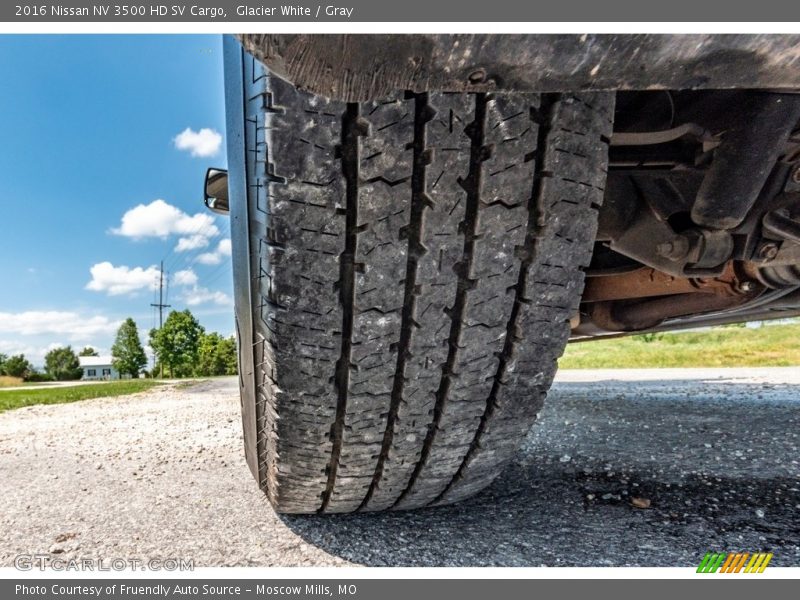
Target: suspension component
{"type": "Point", "coordinates": [744, 159]}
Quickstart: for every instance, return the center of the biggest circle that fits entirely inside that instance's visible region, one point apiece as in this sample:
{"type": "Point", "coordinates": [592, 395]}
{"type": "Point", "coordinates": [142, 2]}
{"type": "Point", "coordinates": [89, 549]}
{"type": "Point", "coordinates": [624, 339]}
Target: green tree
{"type": "Point", "coordinates": [207, 363]}
{"type": "Point", "coordinates": [3, 359]}
{"type": "Point", "coordinates": [88, 351]}
{"type": "Point", "coordinates": [17, 366]}
{"type": "Point", "coordinates": [227, 348]}
{"type": "Point", "coordinates": [216, 356]}
{"type": "Point", "coordinates": [177, 343]}
{"type": "Point", "coordinates": [62, 364]}
{"type": "Point", "coordinates": [127, 354]}
{"type": "Point", "coordinates": [35, 375]}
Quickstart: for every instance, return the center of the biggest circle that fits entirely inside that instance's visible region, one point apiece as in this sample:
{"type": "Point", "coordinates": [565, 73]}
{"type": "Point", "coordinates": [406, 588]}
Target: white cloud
{"type": "Point", "coordinates": [192, 242]}
{"type": "Point", "coordinates": [209, 258]}
{"type": "Point", "coordinates": [116, 281]}
{"type": "Point", "coordinates": [35, 354]}
{"type": "Point", "coordinates": [160, 219]}
{"type": "Point", "coordinates": [10, 348]}
{"type": "Point", "coordinates": [200, 295]}
{"type": "Point", "coordinates": [205, 142]}
{"type": "Point", "coordinates": [222, 250]}
{"type": "Point", "coordinates": [193, 294]}
{"type": "Point", "coordinates": [185, 277]}
{"type": "Point", "coordinates": [72, 325]}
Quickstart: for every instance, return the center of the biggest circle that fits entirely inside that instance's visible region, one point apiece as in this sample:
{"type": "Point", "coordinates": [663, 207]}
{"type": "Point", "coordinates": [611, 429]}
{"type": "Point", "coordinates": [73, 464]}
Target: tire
{"type": "Point", "coordinates": [414, 265]}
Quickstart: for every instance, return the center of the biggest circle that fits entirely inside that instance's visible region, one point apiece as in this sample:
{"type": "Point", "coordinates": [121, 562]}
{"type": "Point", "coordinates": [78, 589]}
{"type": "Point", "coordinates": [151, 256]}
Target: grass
{"type": "Point", "coordinates": [771, 345]}
{"type": "Point", "coordinates": [10, 399]}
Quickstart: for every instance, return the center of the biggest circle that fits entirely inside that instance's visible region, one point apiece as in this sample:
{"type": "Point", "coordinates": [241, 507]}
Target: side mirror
{"type": "Point", "coordinates": [216, 191]}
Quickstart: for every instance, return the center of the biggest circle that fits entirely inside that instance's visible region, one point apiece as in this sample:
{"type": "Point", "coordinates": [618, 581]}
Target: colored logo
{"type": "Point", "coordinates": [734, 562]}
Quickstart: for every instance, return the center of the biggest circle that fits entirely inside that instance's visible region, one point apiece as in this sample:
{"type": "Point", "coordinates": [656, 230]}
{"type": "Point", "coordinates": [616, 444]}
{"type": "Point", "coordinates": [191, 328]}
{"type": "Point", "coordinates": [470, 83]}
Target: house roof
{"type": "Point", "coordinates": [95, 361]}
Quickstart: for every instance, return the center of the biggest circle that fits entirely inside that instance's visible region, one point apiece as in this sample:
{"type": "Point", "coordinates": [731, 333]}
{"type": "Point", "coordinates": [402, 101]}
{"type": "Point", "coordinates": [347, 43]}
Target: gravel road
{"type": "Point", "coordinates": [161, 474]}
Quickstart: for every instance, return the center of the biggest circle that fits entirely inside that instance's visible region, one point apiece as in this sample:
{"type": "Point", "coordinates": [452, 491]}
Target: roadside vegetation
{"type": "Point", "coordinates": [10, 399]}
{"type": "Point", "coordinates": [6, 381]}
{"type": "Point", "coordinates": [11, 382]}
{"type": "Point", "coordinates": [182, 348]}
{"type": "Point", "coordinates": [770, 345]}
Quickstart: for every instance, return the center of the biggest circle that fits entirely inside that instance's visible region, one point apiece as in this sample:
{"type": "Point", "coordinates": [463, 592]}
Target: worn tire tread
{"type": "Point", "coordinates": [415, 261]}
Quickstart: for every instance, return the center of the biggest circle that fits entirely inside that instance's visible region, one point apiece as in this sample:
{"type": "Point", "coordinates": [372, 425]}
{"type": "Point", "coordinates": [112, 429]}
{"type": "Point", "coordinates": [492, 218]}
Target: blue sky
{"type": "Point", "coordinates": [105, 142]}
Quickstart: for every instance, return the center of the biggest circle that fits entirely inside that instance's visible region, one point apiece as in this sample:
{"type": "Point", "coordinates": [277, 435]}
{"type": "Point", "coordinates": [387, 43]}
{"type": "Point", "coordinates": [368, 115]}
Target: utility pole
{"type": "Point", "coordinates": [161, 306]}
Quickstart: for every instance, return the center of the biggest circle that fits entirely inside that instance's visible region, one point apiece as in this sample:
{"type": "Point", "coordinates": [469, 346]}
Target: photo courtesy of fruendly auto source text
{"type": "Point", "coordinates": [367, 300]}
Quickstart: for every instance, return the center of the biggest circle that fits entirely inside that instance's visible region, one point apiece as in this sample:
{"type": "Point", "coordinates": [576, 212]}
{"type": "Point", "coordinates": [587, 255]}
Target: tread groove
{"type": "Point", "coordinates": [422, 115]}
{"type": "Point", "coordinates": [535, 207]}
{"type": "Point", "coordinates": [347, 269]}
{"type": "Point", "coordinates": [471, 184]}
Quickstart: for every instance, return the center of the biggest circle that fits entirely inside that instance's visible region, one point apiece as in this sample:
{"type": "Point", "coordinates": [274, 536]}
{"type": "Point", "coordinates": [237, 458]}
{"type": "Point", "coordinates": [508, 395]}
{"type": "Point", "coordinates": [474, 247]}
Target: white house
{"type": "Point", "coordinates": [97, 368]}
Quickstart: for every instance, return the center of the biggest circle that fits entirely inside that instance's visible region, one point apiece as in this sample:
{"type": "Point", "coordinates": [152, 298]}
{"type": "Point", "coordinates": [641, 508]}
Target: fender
{"type": "Point", "coordinates": [357, 68]}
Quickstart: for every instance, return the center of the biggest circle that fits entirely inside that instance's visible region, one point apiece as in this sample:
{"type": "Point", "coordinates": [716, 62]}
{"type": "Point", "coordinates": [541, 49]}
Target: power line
{"type": "Point", "coordinates": [174, 258]}
{"type": "Point", "coordinates": [203, 224]}
{"type": "Point", "coordinates": [223, 269]}
{"type": "Point", "coordinates": [190, 260]}
{"type": "Point", "coordinates": [178, 259]}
